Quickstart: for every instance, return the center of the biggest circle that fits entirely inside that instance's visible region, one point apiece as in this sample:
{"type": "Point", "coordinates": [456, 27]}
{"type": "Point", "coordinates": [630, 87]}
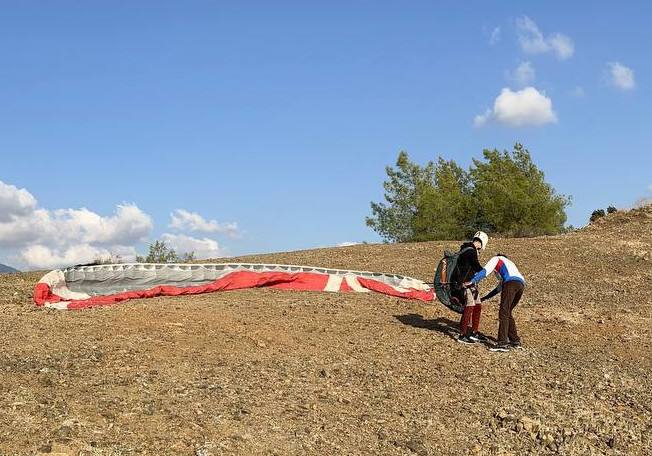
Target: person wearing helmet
{"type": "Point", "coordinates": [510, 286]}
{"type": "Point", "coordinates": [468, 264]}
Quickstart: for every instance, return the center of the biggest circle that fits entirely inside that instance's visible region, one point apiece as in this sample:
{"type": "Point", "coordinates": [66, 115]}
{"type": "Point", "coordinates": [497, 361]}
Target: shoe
{"type": "Point", "coordinates": [516, 345]}
{"type": "Point", "coordinates": [465, 340]}
{"type": "Point", "coordinates": [500, 348]}
{"type": "Point", "coordinates": [477, 337]}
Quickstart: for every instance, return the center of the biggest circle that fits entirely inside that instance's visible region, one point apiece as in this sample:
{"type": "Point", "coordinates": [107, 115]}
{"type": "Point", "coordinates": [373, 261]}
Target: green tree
{"type": "Point", "coordinates": [445, 206]}
{"type": "Point", "coordinates": [504, 193]}
{"type": "Point", "coordinates": [404, 188]}
{"type": "Point", "coordinates": [159, 252]}
{"type": "Point", "coordinates": [512, 196]}
{"type": "Point", "coordinates": [112, 258]}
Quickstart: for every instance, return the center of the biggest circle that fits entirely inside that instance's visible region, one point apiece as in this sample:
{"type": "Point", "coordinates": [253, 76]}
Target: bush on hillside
{"type": "Point", "coordinates": [112, 258]}
{"type": "Point", "coordinates": [611, 210]}
{"type": "Point", "coordinates": [159, 252]}
{"type": "Point", "coordinates": [596, 214]}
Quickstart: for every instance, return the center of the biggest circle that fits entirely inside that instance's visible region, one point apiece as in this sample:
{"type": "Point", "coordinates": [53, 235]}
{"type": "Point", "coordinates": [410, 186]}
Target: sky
{"type": "Point", "coordinates": [230, 128]}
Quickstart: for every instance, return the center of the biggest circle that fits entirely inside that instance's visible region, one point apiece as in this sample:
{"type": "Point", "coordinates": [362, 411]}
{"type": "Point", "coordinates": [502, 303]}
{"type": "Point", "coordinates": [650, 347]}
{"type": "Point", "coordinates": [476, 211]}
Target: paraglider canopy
{"type": "Point", "coordinates": [98, 285]}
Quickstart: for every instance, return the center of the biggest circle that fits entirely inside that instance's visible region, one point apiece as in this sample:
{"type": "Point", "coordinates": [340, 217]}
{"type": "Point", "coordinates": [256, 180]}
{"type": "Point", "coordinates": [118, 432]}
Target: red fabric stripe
{"type": "Point", "coordinates": [380, 287]}
{"type": "Point", "coordinates": [345, 287]}
{"type": "Point", "coordinates": [302, 281]}
{"type": "Point", "coordinates": [499, 265]}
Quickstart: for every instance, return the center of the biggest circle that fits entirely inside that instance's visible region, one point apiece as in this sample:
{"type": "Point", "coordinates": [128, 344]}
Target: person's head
{"type": "Point", "coordinates": [480, 240]}
{"type": "Point", "coordinates": [502, 255]}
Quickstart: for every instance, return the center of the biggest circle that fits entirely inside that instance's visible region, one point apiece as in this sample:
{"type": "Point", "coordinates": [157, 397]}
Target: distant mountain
{"type": "Point", "coordinates": [4, 269]}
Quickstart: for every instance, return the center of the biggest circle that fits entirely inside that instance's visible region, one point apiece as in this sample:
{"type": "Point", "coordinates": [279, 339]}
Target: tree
{"type": "Point", "coordinates": [111, 258]}
{"type": "Point", "coordinates": [445, 206]}
{"type": "Point", "coordinates": [506, 193]}
{"type": "Point", "coordinates": [159, 252]}
{"type": "Point", "coordinates": [512, 196]}
{"type": "Point", "coordinates": [611, 210]}
{"type": "Point", "coordinates": [404, 189]}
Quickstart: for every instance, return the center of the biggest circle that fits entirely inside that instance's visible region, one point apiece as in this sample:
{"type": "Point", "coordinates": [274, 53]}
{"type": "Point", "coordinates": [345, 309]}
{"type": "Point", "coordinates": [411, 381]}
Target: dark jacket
{"type": "Point", "coordinates": [468, 264]}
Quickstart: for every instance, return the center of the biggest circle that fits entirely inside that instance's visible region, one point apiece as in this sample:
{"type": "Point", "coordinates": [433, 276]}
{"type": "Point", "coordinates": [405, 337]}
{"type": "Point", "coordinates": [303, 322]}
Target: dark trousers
{"type": "Point", "coordinates": [509, 297]}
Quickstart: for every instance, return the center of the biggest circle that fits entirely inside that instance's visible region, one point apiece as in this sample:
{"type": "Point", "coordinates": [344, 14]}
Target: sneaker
{"type": "Point", "coordinates": [500, 348]}
{"type": "Point", "coordinates": [516, 345]}
{"type": "Point", "coordinates": [465, 340]}
{"type": "Point", "coordinates": [477, 337]}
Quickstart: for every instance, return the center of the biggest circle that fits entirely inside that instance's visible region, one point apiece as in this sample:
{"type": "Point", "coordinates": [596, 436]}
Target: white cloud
{"type": "Point", "coordinates": [522, 108]}
{"type": "Point", "coordinates": [183, 220]}
{"type": "Point", "coordinates": [482, 119]}
{"type": "Point", "coordinates": [41, 238]}
{"type": "Point", "coordinates": [41, 256]}
{"type": "Point", "coordinates": [76, 226]}
{"type": "Point", "coordinates": [532, 41]}
{"type": "Point", "coordinates": [203, 248]}
{"type": "Point", "coordinates": [620, 76]}
{"type": "Point", "coordinates": [524, 74]}
{"type": "Point", "coordinates": [14, 202]}
{"type": "Point", "coordinates": [562, 46]}
{"type": "Point", "coordinates": [495, 36]}
{"type": "Point", "coordinates": [347, 244]}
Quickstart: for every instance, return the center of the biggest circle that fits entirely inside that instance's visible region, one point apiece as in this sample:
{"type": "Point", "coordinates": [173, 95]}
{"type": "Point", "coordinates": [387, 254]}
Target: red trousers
{"type": "Point", "coordinates": [472, 312]}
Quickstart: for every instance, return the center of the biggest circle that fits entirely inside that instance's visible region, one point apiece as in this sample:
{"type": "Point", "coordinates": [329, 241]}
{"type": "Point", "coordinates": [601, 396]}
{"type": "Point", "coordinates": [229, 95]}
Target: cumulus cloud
{"type": "Point", "coordinates": [43, 238]}
{"type": "Point", "coordinates": [621, 76]}
{"type": "Point", "coordinates": [183, 220]}
{"type": "Point", "coordinates": [495, 36]}
{"type": "Point", "coordinates": [521, 108]}
{"type": "Point", "coordinates": [347, 244]}
{"type": "Point", "coordinates": [203, 248]}
{"type": "Point", "coordinates": [524, 74]}
{"type": "Point", "coordinates": [42, 256]}
{"type": "Point", "coordinates": [76, 226]}
{"type": "Point", "coordinates": [533, 41]}
{"type": "Point", "coordinates": [14, 202]}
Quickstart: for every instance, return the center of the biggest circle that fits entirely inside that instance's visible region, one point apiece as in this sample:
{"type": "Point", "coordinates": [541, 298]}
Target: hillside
{"type": "Point", "coordinates": [273, 372]}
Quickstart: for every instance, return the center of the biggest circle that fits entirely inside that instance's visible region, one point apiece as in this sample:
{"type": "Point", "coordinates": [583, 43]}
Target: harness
{"type": "Point", "coordinates": [444, 286]}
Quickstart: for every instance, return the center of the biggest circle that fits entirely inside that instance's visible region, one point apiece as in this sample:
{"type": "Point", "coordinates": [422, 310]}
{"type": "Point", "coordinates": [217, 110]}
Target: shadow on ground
{"type": "Point", "coordinates": [443, 325]}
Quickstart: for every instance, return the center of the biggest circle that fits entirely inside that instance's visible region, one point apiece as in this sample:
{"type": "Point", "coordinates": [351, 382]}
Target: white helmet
{"type": "Point", "coordinates": [484, 239]}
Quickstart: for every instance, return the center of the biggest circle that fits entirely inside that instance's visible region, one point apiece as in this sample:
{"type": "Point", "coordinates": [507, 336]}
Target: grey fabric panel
{"type": "Point", "coordinates": [117, 278]}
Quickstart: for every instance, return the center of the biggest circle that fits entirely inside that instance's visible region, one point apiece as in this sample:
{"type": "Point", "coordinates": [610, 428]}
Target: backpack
{"type": "Point", "coordinates": [442, 281]}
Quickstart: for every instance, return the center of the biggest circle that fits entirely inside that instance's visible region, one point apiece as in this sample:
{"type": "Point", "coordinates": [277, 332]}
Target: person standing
{"type": "Point", "coordinates": [511, 285]}
{"type": "Point", "coordinates": [468, 264]}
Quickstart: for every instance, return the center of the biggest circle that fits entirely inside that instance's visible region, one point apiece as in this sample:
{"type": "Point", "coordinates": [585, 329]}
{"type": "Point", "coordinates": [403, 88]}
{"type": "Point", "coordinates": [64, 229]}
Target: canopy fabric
{"type": "Point", "coordinates": [81, 287]}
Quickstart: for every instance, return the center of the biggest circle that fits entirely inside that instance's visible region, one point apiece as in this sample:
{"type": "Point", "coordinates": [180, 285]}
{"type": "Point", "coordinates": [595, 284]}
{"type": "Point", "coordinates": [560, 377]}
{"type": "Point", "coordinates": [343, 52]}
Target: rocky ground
{"type": "Point", "coordinates": [273, 372]}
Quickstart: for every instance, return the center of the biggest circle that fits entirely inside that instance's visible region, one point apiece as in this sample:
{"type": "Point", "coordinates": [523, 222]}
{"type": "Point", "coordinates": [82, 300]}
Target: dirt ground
{"type": "Point", "coordinates": [273, 372]}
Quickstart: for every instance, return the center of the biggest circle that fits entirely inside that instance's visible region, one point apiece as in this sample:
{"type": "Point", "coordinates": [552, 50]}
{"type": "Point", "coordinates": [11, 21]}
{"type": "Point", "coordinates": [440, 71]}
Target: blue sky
{"type": "Point", "coordinates": [275, 120]}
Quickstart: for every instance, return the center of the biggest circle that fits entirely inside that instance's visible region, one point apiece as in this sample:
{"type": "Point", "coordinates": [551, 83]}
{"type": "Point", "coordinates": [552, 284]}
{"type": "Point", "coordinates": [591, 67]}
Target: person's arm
{"type": "Point", "coordinates": [491, 264]}
{"type": "Point", "coordinates": [492, 293]}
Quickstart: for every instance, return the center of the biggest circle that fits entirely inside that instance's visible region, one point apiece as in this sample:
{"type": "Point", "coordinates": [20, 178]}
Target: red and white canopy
{"type": "Point", "coordinates": [100, 285]}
